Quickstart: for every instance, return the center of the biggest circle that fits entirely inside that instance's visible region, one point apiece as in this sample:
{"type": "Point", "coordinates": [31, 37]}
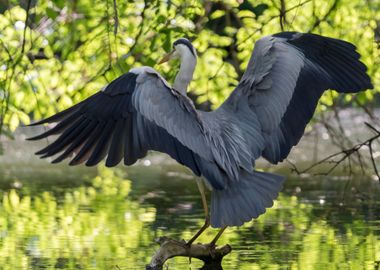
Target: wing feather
{"type": "Point", "coordinates": [77, 143]}
{"type": "Point", "coordinates": [115, 154]}
{"type": "Point", "coordinates": [102, 145]}
{"type": "Point", "coordinates": [286, 75]}
{"type": "Point", "coordinates": [115, 124]}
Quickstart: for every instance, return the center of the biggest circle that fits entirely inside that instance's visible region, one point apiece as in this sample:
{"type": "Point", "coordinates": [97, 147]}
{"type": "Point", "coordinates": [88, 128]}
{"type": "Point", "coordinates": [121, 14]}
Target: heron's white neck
{"type": "Point", "coordinates": [186, 71]}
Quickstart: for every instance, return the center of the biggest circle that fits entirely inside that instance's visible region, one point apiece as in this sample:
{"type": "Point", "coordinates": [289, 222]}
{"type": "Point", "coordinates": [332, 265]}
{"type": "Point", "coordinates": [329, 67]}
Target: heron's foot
{"type": "Point", "coordinates": [201, 230]}
{"type": "Point", "coordinates": [211, 245]}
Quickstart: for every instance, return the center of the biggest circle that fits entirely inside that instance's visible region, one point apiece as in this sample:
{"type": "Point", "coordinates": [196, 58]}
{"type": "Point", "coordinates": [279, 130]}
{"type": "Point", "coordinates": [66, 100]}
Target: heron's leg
{"type": "Point", "coordinates": [216, 238]}
{"type": "Point", "coordinates": [201, 188]}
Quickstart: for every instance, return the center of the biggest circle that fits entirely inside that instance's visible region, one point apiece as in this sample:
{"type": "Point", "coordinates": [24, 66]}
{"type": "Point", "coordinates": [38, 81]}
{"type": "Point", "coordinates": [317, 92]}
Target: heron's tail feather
{"type": "Point", "coordinates": [244, 200]}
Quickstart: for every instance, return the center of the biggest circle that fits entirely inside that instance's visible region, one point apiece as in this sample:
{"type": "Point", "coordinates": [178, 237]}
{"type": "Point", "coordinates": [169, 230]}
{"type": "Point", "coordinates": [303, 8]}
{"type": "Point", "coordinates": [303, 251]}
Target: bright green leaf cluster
{"type": "Point", "coordinates": [70, 50]}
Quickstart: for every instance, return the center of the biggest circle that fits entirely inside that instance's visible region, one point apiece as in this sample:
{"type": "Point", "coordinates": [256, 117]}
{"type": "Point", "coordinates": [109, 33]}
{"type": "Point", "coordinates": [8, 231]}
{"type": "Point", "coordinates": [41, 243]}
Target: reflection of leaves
{"type": "Point", "coordinates": [102, 224]}
{"type": "Point", "coordinates": [109, 183]}
{"type": "Point", "coordinates": [87, 224]}
{"type": "Point", "coordinates": [75, 229]}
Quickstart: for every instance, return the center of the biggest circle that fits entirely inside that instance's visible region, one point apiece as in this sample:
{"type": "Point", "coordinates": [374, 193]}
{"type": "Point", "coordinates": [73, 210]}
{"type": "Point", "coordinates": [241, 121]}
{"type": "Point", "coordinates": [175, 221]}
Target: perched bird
{"type": "Point", "coordinates": [265, 116]}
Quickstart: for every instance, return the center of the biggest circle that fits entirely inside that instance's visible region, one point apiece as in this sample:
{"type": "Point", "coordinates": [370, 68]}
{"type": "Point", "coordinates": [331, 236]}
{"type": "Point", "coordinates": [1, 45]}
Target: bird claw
{"type": "Point", "coordinates": [211, 248]}
{"type": "Point", "coordinates": [211, 245]}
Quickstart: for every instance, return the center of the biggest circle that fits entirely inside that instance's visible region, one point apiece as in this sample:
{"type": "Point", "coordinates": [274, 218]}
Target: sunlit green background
{"type": "Point", "coordinates": [71, 49]}
{"type": "Point", "coordinates": [58, 217]}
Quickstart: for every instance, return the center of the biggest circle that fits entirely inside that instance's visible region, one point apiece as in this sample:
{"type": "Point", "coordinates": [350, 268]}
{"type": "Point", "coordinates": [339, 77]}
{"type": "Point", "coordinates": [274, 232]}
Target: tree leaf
{"type": "Point", "coordinates": [257, 10]}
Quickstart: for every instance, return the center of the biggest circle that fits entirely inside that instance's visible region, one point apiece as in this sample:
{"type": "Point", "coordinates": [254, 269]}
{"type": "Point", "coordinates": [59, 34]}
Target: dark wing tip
{"type": "Point", "coordinates": [91, 164]}
{"type": "Point", "coordinates": [37, 123]}
{"type": "Point", "coordinates": [35, 138]}
{"type": "Point", "coordinates": [40, 152]}
{"type": "Point", "coordinates": [57, 160]}
{"type": "Point", "coordinates": [76, 161]}
{"type": "Point", "coordinates": [339, 58]}
{"type": "Point", "coordinates": [112, 163]}
{"type": "Point", "coordinates": [368, 85]}
{"type": "Point", "coordinates": [60, 116]}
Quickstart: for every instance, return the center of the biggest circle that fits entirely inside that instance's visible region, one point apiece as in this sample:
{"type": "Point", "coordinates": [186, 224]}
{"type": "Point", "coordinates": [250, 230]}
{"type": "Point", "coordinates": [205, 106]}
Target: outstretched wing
{"type": "Point", "coordinates": [286, 75]}
{"type": "Point", "coordinates": [134, 113]}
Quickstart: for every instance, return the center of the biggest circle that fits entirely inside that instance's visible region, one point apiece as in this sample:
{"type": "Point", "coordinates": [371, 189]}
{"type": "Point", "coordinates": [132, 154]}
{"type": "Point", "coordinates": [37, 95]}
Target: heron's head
{"type": "Point", "coordinates": [183, 49]}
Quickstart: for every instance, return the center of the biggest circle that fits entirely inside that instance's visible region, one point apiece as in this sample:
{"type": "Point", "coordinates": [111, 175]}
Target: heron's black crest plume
{"type": "Point", "coordinates": [185, 42]}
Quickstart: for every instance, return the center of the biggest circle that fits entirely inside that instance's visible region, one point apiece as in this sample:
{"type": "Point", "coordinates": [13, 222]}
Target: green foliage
{"type": "Point", "coordinates": [71, 49]}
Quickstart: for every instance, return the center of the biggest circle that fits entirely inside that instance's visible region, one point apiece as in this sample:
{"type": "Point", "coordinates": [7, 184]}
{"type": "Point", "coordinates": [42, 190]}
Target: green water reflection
{"type": "Point", "coordinates": [107, 222]}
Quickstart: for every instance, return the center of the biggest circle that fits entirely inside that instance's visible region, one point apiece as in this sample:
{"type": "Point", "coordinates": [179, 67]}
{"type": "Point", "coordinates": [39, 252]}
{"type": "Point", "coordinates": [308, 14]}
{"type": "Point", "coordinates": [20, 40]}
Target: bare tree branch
{"type": "Point", "coordinates": [282, 15]}
{"type": "Point", "coordinates": [332, 8]}
{"type": "Point", "coordinates": [115, 17]}
{"type": "Point", "coordinates": [26, 26]}
{"type": "Point", "coordinates": [272, 18]}
{"type": "Point", "coordinates": [139, 33]}
{"type": "Point", "coordinates": [346, 154]}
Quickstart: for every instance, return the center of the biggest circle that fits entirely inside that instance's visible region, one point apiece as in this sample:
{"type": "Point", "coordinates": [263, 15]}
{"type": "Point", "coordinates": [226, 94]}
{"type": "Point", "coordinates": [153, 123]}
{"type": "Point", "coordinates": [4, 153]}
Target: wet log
{"type": "Point", "coordinates": [211, 255]}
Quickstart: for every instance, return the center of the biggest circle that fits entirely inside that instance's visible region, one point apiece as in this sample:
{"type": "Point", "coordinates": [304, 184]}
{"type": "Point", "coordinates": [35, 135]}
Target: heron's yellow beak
{"type": "Point", "coordinates": [166, 58]}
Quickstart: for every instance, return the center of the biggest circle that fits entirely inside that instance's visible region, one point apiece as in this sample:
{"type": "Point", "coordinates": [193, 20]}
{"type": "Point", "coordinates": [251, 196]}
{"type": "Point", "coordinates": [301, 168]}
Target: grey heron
{"type": "Point", "coordinates": [265, 116]}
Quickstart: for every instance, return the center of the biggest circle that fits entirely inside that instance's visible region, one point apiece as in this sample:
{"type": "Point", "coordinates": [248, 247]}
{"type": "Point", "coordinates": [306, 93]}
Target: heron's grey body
{"type": "Point", "coordinates": [264, 116]}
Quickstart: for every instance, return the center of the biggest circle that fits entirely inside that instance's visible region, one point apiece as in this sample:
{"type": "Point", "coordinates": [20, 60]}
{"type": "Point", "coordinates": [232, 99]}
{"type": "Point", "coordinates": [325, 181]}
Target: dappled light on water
{"type": "Point", "coordinates": [106, 223]}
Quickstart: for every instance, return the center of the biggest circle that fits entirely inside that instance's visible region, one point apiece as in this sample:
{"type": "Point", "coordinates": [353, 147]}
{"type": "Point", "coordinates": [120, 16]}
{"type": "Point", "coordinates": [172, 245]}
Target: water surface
{"type": "Point", "coordinates": [59, 217]}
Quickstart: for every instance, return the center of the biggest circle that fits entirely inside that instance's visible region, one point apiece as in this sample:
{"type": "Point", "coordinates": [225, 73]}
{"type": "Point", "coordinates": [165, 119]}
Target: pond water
{"type": "Point", "coordinates": [59, 217]}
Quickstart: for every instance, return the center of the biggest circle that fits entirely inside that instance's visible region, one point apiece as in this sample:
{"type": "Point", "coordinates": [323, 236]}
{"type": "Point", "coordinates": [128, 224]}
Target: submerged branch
{"type": "Point", "coordinates": [212, 256]}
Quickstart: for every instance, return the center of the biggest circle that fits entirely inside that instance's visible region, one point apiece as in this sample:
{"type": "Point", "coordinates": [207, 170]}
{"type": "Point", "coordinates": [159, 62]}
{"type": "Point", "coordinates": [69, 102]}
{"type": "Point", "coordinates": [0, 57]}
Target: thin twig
{"type": "Point", "coordinates": [298, 5]}
{"type": "Point", "coordinates": [325, 17]}
{"type": "Point", "coordinates": [295, 14]}
{"type": "Point", "coordinates": [373, 160]}
{"type": "Point", "coordinates": [282, 15]}
{"type": "Point", "coordinates": [25, 26]}
{"type": "Point", "coordinates": [372, 128]}
{"type": "Point", "coordinates": [115, 17]}
{"type": "Point", "coordinates": [344, 154]}
{"type": "Point", "coordinates": [272, 18]}
{"type": "Point", "coordinates": [139, 33]}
